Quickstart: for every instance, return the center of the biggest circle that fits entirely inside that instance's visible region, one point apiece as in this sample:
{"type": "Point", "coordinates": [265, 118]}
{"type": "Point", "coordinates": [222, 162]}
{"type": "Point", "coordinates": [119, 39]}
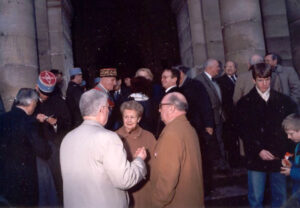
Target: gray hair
{"type": "Point", "coordinates": [148, 71]}
{"type": "Point", "coordinates": [26, 96]}
{"type": "Point", "coordinates": [132, 105]}
{"type": "Point", "coordinates": [208, 63]}
{"type": "Point", "coordinates": [256, 59]}
{"type": "Point", "coordinates": [292, 122]}
{"type": "Point", "coordinates": [91, 101]}
{"type": "Point", "coordinates": [179, 104]}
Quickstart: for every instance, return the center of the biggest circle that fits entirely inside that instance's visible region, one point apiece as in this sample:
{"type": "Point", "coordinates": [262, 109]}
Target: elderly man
{"type": "Point", "coordinates": [207, 78]}
{"type": "Point", "coordinates": [107, 83]}
{"type": "Point", "coordinates": [201, 117]}
{"type": "Point", "coordinates": [260, 114]}
{"type": "Point", "coordinates": [286, 76]}
{"type": "Point", "coordinates": [93, 160]}
{"type": "Point", "coordinates": [73, 95]}
{"type": "Point", "coordinates": [20, 144]}
{"type": "Point", "coordinates": [227, 83]}
{"type": "Point", "coordinates": [176, 176]}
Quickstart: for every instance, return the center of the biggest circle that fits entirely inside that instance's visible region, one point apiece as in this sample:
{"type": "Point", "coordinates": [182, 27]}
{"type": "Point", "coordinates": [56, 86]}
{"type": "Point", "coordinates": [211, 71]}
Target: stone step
{"type": "Point", "coordinates": [228, 196]}
{"type": "Point", "coordinates": [237, 176]}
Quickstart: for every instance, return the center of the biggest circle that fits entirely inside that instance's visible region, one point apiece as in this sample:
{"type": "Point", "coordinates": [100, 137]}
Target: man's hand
{"type": "Point", "coordinates": [141, 152]}
{"type": "Point", "coordinates": [209, 130]}
{"type": "Point", "coordinates": [51, 121]}
{"type": "Point", "coordinates": [285, 171]}
{"type": "Point", "coordinates": [41, 117]}
{"type": "Point", "coordinates": [266, 155]}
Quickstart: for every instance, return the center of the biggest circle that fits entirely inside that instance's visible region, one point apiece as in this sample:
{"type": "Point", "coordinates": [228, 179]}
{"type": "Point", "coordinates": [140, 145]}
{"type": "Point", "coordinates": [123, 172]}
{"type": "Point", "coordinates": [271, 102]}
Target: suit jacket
{"type": "Point", "coordinates": [215, 101]}
{"type": "Point", "coordinates": [289, 82]}
{"type": "Point", "coordinates": [95, 169]}
{"type": "Point", "coordinates": [176, 176]}
{"type": "Point", "coordinates": [227, 89]}
{"type": "Point", "coordinates": [259, 125]}
{"type": "Point", "coordinates": [19, 147]}
{"type": "Point", "coordinates": [200, 112]}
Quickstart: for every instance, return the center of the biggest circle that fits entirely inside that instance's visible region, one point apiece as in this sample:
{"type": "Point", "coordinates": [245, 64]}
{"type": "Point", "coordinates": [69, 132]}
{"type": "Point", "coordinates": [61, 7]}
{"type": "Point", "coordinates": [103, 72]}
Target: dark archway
{"type": "Point", "coordinates": [123, 34]}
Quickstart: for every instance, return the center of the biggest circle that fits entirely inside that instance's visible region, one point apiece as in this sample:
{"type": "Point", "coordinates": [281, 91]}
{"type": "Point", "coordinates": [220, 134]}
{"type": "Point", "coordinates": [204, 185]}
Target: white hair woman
{"type": "Point", "coordinates": [133, 137]}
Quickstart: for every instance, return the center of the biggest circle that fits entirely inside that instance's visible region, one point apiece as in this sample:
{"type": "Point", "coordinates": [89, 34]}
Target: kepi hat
{"type": "Point", "coordinates": [108, 72]}
{"type": "Point", "coordinates": [46, 82]}
{"type": "Point", "coordinates": [75, 71]}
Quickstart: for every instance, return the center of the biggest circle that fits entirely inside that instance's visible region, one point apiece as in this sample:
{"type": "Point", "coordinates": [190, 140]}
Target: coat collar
{"type": "Point", "coordinates": [91, 123]}
{"type": "Point", "coordinates": [135, 134]}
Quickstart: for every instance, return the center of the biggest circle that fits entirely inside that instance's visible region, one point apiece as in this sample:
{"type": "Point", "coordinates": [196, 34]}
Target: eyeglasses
{"type": "Point", "coordinates": [107, 106]}
{"type": "Point", "coordinates": [161, 104]}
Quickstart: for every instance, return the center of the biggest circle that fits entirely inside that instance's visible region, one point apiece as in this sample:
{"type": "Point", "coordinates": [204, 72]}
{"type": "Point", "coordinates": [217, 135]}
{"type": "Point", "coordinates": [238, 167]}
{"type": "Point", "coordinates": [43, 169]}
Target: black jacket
{"type": "Point", "coordinates": [200, 112]}
{"type": "Point", "coordinates": [73, 95]}
{"type": "Point", "coordinates": [56, 107]}
{"type": "Point", "coordinates": [259, 125]}
{"type": "Point", "coordinates": [19, 146]}
{"type": "Point", "coordinates": [227, 89]}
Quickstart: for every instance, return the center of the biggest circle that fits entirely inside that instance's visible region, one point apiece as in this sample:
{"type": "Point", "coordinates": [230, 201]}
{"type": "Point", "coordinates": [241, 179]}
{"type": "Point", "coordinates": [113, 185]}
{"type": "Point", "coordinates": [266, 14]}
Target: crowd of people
{"type": "Point", "coordinates": [132, 142]}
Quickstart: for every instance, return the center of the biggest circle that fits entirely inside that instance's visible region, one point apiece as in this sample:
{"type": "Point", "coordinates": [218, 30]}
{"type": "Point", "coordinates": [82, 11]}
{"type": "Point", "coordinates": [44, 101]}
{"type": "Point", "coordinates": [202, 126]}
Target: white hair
{"type": "Point", "coordinates": [91, 101]}
{"type": "Point", "coordinates": [26, 96]}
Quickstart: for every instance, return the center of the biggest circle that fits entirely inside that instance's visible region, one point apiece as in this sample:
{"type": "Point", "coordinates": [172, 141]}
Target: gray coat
{"type": "Point", "coordinates": [94, 168]}
{"type": "Point", "coordinates": [289, 82]}
{"type": "Point", "coordinates": [213, 96]}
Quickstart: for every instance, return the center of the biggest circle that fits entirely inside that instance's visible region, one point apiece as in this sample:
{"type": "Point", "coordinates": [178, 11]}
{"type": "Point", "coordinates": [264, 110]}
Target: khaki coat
{"type": "Point", "coordinates": [176, 175]}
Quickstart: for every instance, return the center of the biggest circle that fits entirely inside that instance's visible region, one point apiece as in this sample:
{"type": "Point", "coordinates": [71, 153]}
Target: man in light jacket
{"type": "Point", "coordinates": [94, 167]}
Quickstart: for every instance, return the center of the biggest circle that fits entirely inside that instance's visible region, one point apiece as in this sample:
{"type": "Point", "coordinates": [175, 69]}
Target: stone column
{"type": "Point", "coordinates": [213, 31]}
{"type": "Point", "coordinates": [197, 31]}
{"type": "Point", "coordinates": [293, 14]}
{"type": "Point", "coordinates": [242, 30]}
{"type": "Point", "coordinates": [276, 29]}
{"type": "Point", "coordinates": [59, 23]}
{"type": "Point", "coordinates": [42, 31]}
{"type": "Point", "coordinates": [180, 8]}
{"type": "Point", "coordinates": [18, 52]}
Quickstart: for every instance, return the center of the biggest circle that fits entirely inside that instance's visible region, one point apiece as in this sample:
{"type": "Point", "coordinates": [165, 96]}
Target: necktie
{"type": "Point", "coordinates": [233, 78]}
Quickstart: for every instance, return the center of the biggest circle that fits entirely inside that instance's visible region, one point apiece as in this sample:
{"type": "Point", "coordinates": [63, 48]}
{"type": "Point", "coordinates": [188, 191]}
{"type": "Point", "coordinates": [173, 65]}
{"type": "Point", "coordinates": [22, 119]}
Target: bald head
{"type": "Point", "coordinates": [256, 59]}
{"type": "Point", "coordinates": [178, 100]}
{"type": "Point", "coordinates": [172, 105]}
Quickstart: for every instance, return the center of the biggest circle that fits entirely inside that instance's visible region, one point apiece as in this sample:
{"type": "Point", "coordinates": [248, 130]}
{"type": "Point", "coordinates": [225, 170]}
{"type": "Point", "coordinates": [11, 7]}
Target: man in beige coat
{"type": "Point", "coordinates": [94, 165]}
{"type": "Point", "coordinates": [176, 175]}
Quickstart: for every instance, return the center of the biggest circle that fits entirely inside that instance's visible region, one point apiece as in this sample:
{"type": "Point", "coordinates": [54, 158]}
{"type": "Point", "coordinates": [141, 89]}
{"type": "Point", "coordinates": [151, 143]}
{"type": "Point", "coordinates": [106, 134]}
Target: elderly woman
{"type": "Point", "coordinates": [133, 137]}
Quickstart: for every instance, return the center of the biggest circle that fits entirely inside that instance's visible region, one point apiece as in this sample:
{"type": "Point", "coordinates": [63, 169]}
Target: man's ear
{"type": "Point", "coordinates": [254, 81]}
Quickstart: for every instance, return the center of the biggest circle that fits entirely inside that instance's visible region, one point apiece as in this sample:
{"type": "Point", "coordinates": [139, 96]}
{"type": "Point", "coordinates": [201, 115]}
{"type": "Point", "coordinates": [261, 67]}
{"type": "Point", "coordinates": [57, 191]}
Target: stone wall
{"type": "Point", "coordinates": [236, 29]}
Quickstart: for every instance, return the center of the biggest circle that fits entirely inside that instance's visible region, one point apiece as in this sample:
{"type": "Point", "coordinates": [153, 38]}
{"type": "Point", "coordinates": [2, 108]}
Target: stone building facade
{"type": "Point", "coordinates": [35, 35]}
{"type": "Point", "coordinates": [236, 29]}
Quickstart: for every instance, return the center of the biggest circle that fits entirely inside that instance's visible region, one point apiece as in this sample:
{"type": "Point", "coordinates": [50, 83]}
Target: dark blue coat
{"type": "Point", "coordinates": [19, 146]}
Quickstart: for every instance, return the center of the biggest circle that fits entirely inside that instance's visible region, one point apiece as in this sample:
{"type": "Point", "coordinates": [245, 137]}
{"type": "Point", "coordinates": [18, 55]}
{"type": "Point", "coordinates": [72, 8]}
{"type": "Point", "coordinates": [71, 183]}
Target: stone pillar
{"type": "Point", "coordinates": [197, 31]}
{"type": "Point", "coordinates": [242, 30]}
{"type": "Point", "coordinates": [293, 14]}
{"type": "Point", "coordinates": [42, 31]}
{"type": "Point", "coordinates": [59, 22]}
{"type": "Point", "coordinates": [18, 52]}
{"type": "Point", "coordinates": [180, 8]}
{"type": "Point", "coordinates": [213, 31]}
{"type": "Point", "coordinates": [276, 29]}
